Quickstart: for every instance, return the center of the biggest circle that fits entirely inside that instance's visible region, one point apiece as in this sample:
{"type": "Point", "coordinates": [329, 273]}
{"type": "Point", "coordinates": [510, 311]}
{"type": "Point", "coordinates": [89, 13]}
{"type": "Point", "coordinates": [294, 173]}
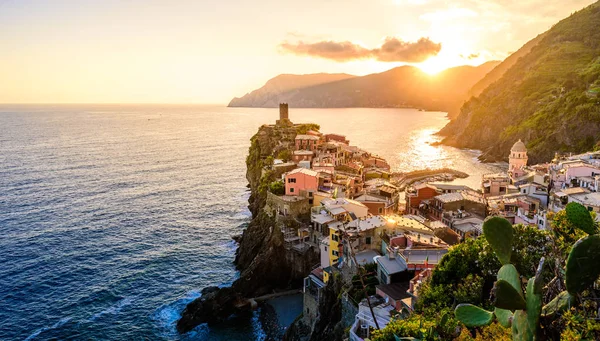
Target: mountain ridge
{"type": "Point", "coordinates": [403, 86]}
{"type": "Point", "coordinates": [548, 98]}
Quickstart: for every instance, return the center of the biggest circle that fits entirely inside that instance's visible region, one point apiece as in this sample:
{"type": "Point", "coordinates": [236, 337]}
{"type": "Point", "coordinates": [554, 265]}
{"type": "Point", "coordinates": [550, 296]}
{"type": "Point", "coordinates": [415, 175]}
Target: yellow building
{"type": "Point", "coordinates": [333, 250]}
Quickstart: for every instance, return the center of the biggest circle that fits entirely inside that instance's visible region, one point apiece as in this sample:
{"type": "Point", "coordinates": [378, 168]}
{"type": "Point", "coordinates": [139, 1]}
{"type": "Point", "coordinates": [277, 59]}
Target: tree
{"type": "Point", "coordinates": [277, 188]}
{"type": "Point", "coordinates": [284, 155]}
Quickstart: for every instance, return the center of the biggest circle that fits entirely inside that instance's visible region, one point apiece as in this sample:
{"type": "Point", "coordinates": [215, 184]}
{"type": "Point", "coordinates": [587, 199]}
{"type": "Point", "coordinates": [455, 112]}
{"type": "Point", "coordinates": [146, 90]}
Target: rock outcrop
{"type": "Point", "coordinates": [265, 264]}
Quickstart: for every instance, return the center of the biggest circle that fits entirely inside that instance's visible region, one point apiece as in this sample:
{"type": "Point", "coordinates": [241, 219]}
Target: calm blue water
{"type": "Point", "coordinates": [113, 218]}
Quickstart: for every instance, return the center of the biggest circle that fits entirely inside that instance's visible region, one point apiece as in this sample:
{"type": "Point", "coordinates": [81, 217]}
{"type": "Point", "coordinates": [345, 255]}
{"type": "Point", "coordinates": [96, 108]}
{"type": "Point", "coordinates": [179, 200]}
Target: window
{"type": "Point", "coordinates": [368, 240]}
{"type": "Point", "coordinates": [383, 277]}
{"type": "Point", "coordinates": [291, 180]}
{"type": "Point", "coordinates": [310, 201]}
{"type": "Point", "coordinates": [590, 208]}
{"type": "Point", "coordinates": [380, 210]}
{"type": "Point", "coordinates": [292, 190]}
{"type": "Point", "coordinates": [335, 237]}
{"type": "Point", "coordinates": [335, 253]}
{"type": "Point", "coordinates": [310, 195]}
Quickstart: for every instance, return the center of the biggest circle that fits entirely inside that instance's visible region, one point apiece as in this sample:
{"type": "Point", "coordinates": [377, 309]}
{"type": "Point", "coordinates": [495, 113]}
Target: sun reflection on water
{"type": "Point", "coordinates": [421, 153]}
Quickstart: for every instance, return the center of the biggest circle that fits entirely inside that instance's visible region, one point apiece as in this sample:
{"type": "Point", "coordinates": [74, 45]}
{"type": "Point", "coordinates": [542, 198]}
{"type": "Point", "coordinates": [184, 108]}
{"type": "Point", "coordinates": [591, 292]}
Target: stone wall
{"type": "Point", "coordinates": [286, 205]}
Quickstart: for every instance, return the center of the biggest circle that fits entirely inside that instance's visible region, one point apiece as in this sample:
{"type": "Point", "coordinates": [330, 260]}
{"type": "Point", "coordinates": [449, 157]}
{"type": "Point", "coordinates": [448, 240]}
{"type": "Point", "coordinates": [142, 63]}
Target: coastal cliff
{"type": "Point", "coordinates": [264, 263]}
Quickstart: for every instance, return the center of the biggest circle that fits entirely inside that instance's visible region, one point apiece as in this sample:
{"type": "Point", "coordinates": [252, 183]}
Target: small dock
{"type": "Point", "coordinates": [253, 302]}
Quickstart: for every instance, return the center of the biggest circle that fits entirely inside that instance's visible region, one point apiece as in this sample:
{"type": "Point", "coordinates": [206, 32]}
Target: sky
{"type": "Point", "coordinates": [185, 51]}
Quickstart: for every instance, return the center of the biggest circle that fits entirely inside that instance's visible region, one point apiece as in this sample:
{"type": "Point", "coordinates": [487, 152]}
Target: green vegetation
{"type": "Point", "coordinates": [277, 188]}
{"type": "Point", "coordinates": [543, 98]}
{"type": "Point", "coordinates": [581, 273]}
{"type": "Point", "coordinates": [489, 298]}
{"type": "Point", "coordinates": [304, 128]}
{"type": "Point", "coordinates": [284, 155]}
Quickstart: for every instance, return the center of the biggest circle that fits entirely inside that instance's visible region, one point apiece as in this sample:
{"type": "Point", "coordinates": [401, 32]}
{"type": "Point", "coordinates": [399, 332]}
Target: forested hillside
{"type": "Point", "coordinates": [548, 98]}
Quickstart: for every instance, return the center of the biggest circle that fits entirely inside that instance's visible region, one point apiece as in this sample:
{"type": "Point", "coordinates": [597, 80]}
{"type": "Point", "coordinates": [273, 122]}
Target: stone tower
{"type": "Point", "coordinates": [283, 111]}
{"type": "Point", "coordinates": [284, 119]}
{"type": "Point", "coordinates": [517, 160]}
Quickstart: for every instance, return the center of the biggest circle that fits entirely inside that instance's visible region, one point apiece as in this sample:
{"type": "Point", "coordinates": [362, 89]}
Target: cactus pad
{"type": "Point", "coordinates": [507, 297]}
{"type": "Point", "coordinates": [559, 304]}
{"type": "Point", "coordinates": [582, 264]}
{"type": "Point", "coordinates": [473, 316]}
{"type": "Point", "coordinates": [510, 274]}
{"type": "Point", "coordinates": [520, 327]}
{"type": "Point", "coordinates": [579, 216]}
{"type": "Point", "coordinates": [534, 305]}
{"type": "Point", "coordinates": [503, 317]}
{"type": "Point", "coordinates": [499, 234]}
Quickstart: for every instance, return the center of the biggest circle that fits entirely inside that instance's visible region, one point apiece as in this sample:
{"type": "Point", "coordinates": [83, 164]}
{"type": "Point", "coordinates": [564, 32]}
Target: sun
{"type": "Point", "coordinates": [433, 65]}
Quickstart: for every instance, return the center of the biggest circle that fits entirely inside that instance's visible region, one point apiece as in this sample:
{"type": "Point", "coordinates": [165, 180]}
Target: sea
{"type": "Point", "coordinates": [114, 217]}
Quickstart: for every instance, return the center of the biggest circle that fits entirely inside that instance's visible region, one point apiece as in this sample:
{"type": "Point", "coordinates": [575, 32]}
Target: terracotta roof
{"type": "Point", "coordinates": [304, 171]}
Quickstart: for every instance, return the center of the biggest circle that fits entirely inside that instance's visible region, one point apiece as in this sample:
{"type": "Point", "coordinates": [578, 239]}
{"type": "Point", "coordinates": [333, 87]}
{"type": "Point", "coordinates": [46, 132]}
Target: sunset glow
{"type": "Point", "coordinates": [189, 51]}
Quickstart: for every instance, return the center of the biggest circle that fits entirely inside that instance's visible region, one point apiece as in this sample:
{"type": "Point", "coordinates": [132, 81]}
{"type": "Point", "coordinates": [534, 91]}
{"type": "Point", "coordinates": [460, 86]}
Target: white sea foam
{"type": "Point", "coordinates": [167, 315]}
{"type": "Point", "coordinates": [58, 324]}
{"type": "Point", "coordinates": [114, 309]}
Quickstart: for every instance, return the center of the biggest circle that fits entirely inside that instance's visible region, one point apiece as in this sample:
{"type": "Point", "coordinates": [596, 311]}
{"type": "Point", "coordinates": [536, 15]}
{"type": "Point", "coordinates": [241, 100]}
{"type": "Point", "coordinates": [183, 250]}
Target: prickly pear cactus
{"type": "Point", "coordinates": [473, 316]}
{"type": "Point", "coordinates": [504, 317]}
{"type": "Point", "coordinates": [510, 274]}
{"type": "Point", "coordinates": [534, 307]}
{"type": "Point", "coordinates": [560, 303]}
{"type": "Point", "coordinates": [499, 234]}
{"type": "Point", "coordinates": [507, 297]}
{"type": "Point", "coordinates": [508, 293]}
{"type": "Point", "coordinates": [583, 264]}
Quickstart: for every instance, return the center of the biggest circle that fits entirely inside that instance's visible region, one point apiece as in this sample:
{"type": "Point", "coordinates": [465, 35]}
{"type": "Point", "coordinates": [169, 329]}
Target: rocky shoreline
{"type": "Point", "coordinates": [265, 266]}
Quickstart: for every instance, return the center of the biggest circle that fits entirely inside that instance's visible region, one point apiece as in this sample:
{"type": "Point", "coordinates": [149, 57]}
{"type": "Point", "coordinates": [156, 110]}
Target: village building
{"type": "Point", "coordinates": [559, 199]}
{"type": "Point", "coordinates": [464, 201]}
{"type": "Point", "coordinates": [590, 200]}
{"type": "Point", "coordinates": [302, 182]}
{"type": "Point", "coordinates": [377, 204]}
{"type": "Point", "coordinates": [307, 142]}
{"type": "Point", "coordinates": [495, 184]}
{"type": "Point", "coordinates": [463, 223]}
{"type": "Point", "coordinates": [416, 194]}
{"type": "Point", "coordinates": [337, 138]}
{"type": "Point", "coordinates": [302, 155]}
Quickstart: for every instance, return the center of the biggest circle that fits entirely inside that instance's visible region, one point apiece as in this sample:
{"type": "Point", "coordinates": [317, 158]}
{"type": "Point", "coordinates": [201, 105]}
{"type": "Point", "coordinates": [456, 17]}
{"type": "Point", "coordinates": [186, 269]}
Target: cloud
{"type": "Point", "coordinates": [338, 51]}
{"type": "Point", "coordinates": [392, 50]}
{"type": "Point", "coordinates": [396, 50]}
{"type": "Point", "coordinates": [470, 56]}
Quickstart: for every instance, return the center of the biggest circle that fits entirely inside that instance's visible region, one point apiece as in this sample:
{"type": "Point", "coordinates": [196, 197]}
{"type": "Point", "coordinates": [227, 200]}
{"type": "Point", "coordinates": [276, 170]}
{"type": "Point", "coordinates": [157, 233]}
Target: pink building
{"type": "Point", "coordinates": [307, 142]}
{"type": "Point", "coordinates": [300, 181]}
{"type": "Point", "coordinates": [581, 170]}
